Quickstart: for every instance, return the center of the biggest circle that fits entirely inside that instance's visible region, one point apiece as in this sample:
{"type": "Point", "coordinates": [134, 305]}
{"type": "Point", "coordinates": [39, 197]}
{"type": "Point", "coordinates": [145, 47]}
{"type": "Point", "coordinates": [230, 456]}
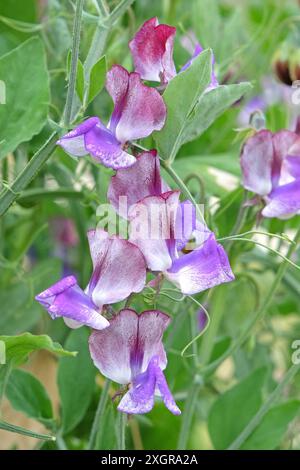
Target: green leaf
{"type": "Point", "coordinates": [80, 80]}
{"type": "Point", "coordinates": [97, 79]}
{"type": "Point", "coordinates": [19, 347]}
{"type": "Point", "coordinates": [181, 97]}
{"type": "Point", "coordinates": [76, 380]}
{"type": "Point", "coordinates": [233, 410]}
{"type": "Point", "coordinates": [27, 394]}
{"type": "Point", "coordinates": [273, 427]}
{"type": "Point", "coordinates": [26, 79]}
{"type": "Point", "coordinates": [210, 106]}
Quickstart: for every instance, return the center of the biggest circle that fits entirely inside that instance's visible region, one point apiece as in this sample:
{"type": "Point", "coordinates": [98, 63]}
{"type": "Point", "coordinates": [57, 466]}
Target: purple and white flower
{"type": "Point", "coordinates": [118, 270]}
{"type": "Point", "coordinates": [139, 110]}
{"type": "Point", "coordinates": [130, 352]}
{"type": "Point", "coordinates": [271, 168]}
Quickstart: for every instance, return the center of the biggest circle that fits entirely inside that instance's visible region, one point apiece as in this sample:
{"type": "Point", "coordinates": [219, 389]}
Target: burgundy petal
{"type": "Point", "coordinates": [135, 183]}
{"type": "Point", "coordinates": [203, 268]}
{"type": "Point", "coordinates": [119, 268]}
{"type": "Point", "coordinates": [139, 110]}
{"type": "Point", "coordinates": [152, 51]}
{"type": "Point", "coordinates": [66, 299]}
{"type": "Point", "coordinates": [129, 345]}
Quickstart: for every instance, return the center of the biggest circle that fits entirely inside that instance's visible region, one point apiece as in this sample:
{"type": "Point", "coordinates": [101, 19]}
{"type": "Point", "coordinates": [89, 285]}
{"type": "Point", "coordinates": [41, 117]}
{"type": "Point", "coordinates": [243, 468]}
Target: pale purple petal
{"type": "Point", "coordinates": [135, 183]}
{"type": "Point", "coordinates": [104, 147]}
{"type": "Point", "coordinates": [293, 166]}
{"type": "Point", "coordinates": [140, 398]}
{"type": "Point", "coordinates": [152, 229]}
{"type": "Point", "coordinates": [185, 223]}
{"type": "Point", "coordinates": [139, 110]}
{"type": "Point", "coordinates": [203, 268]}
{"type": "Point", "coordinates": [119, 268]}
{"type": "Point", "coordinates": [256, 163]}
{"type": "Point", "coordinates": [129, 345]}
{"type": "Point", "coordinates": [284, 143]}
{"type": "Point", "coordinates": [284, 201]}
{"type": "Point", "coordinates": [73, 141]}
{"type": "Point", "coordinates": [152, 51]}
{"type": "Point", "coordinates": [112, 352]}
{"type": "Point", "coordinates": [66, 299]}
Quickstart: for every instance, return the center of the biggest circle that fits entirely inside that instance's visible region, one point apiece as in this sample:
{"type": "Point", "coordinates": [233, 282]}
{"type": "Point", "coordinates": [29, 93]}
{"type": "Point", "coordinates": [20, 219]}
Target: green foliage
{"type": "Point", "coordinates": [76, 380]}
{"type": "Point", "coordinates": [25, 75]}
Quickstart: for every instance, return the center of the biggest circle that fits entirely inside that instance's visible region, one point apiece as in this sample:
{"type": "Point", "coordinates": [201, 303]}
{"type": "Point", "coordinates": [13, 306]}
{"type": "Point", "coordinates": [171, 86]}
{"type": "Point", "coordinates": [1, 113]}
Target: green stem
{"type": "Point", "coordinates": [239, 221]}
{"type": "Point", "coordinates": [99, 414]}
{"type": "Point", "coordinates": [182, 186]}
{"type": "Point", "coordinates": [10, 194]}
{"type": "Point", "coordinates": [256, 420]}
{"type": "Point", "coordinates": [187, 415]}
{"type": "Point", "coordinates": [26, 432]}
{"type": "Point", "coordinates": [121, 431]}
{"type": "Point", "coordinates": [260, 312]}
{"type": "Point", "coordinates": [74, 61]}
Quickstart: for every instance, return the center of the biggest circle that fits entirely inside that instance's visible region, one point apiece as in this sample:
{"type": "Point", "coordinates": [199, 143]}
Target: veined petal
{"type": "Point", "coordinates": [140, 398]}
{"type": "Point", "coordinates": [129, 345]}
{"type": "Point", "coordinates": [203, 268]}
{"type": "Point", "coordinates": [152, 229]}
{"type": "Point", "coordinates": [67, 299]}
{"type": "Point", "coordinates": [135, 183]}
{"type": "Point", "coordinates": [284, 201]}
{"type": "Point", "coordinates": [73, 141]}
{"type": "Point", "coordinates": [119, 268]}
{"type": "Point", "coordinates": [152, 51]}
{"type": "Point", "coordinates": [139, 110]}
{"type": "Point", "coordinates": [256, 163]}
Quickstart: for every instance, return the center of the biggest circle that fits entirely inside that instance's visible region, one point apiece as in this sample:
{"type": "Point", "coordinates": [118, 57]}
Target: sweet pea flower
{"type": "Point", "coordinates": [130, 352]}
{"type": "Point", "coordinates": [161, 227]}
{"type": "Point", "coordinates": [152, 52]}
{"type": "Point", "coordinates": [271, 168]}
{"type": "Point", "coordinates": [118, 270]}
{"type": "Point", "coordinates": [138, 111]}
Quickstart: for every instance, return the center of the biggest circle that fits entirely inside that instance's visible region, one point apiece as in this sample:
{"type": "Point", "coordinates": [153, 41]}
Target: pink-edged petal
{"type": "Point", "coordinates": [119, 268]}
{"type": "Point", "coordinates": [256, 163]}
{"type": "Point", "coordinates": [66, 299]}
{"type": "Point", "coordinates": [129, 345]}
{"type": "Point", "coordinates": [152, 229]}
{"type": "Point", "coordinates": [73, 141]}
{"type": "Point", "coordinates": [284, 201]}
{"type": "Point", "coordinates": [140, 398]}
{"type": "Point", "coordinates": [127, 187]}
{"type": "Point", "coordinates": [112, 352]}
{"type": "Point", "coordinates": [203, 268]}
{"type": "Point", "coordinates": [104, 147]}
{"type": "Point", "coordinates": [139, 110]}
{"type": "Point", "coordinates": [152, 51]}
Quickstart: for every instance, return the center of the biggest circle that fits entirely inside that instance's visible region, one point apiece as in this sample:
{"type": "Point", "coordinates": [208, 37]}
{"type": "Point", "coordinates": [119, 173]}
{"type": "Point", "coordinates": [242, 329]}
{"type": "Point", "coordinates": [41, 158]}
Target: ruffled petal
{"type": "Point", "coordinates": [119, 268]}
{"type": "Point", "coordinates": [152, 229]}
{"type": "Point", "coordinates": [203, 268]}
{"type": "Point", "coordinates": [256, 163]}
{"type": "Point", "coordinates": [140, 398]}
{"type": "Point", "coordinates": [131, 341]}
{"type": "Point", "coordinates": [152, 51]}
{"type": "Point", "coordinates": [66, 299]}
{"type": "Point", "coordinates": [139, 110]}
{"type": "Point", "coordinates": [141, 180]}
{"type": "Point", "coordinates": [284, 201]}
